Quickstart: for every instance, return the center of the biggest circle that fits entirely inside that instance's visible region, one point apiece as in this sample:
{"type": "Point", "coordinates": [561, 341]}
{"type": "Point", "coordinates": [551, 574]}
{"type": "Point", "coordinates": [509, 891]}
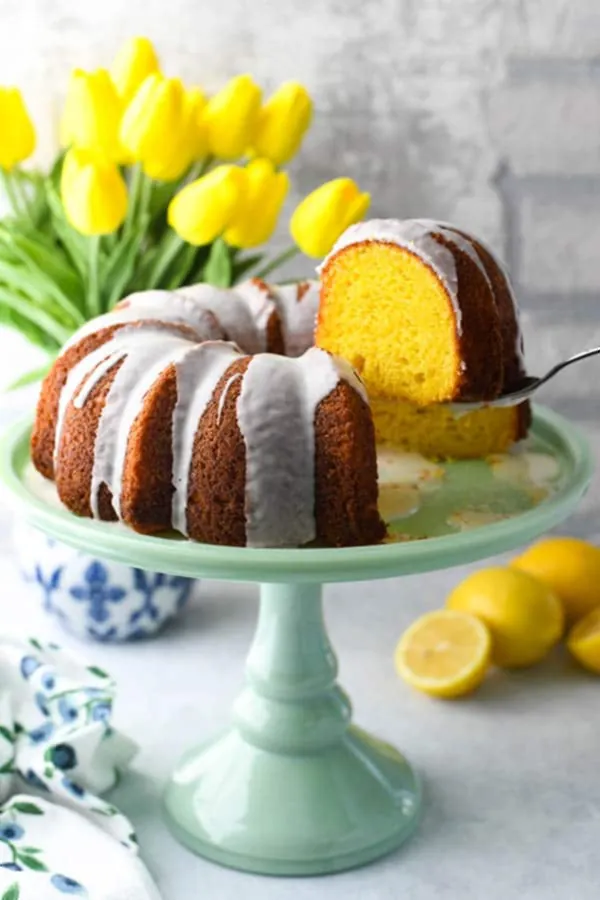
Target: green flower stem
{"type": "Point", "coordinates": [135, 189]}
{"type": "Point", "coordinates": [278, 261]}
{"type": "Point", "coordinates": [93, 296]}
{"type": "Point", "coordinates": [200, 168]}
{"type": "Point", "coordinates": [25, 200]}
{"type": "Point", "coordinates": [11, 192]}
{"type": "Point", "coordinates": [171, 247]}
{"type": "Point", "coordinates": [145, 199]}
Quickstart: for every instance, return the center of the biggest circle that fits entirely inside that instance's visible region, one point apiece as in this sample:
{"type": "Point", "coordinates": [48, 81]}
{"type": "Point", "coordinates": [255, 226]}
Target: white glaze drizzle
{"type": "Point", "coordinates": [231, 311]}
{"type": "Point", "coordinates": [149, 352]}
{"type": "Point", "coordinates": [105, 357]}
{"type": "Point", "coordinates": [280, 460]}
{"type": "Point", "coordinates": [228, 384]}
{"type": "Point", "coordinates": [198, 373]}
{"type": "Point", "coordinates": [261, 305]}
{"type": "Point", "coordinates": [298, 305]}
{"type": "Point", "coordinates": [414, 236]}
{"type": "Point", "coordinates": [163, 306]}
{"type": "Point", "coordinates": [277, 391]}
{"type": "Point", "coordinates": [519, 347]}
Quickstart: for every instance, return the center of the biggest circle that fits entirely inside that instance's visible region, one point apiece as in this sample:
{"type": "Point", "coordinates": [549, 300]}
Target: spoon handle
{"type": "Point", "coordinates": [594, 351]}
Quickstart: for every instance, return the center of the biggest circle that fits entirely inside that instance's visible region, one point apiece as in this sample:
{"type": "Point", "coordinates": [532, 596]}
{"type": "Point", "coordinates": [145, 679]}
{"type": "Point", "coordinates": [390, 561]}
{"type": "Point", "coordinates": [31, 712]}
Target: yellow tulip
{"type": "Point", "coordinates": [195, 105]}
{"type": "Point", "coordinates": [191, 144]}
{"type": "Point", "coordinates": [202, 210]}
{"type": "Point", "coordinates": [324, 215]}
{"type": "Point", "coordinates": [154, 129]}
{"type": "Point", "coordinates": [92, 114]}
{"type": "Point", "coordinates": [256, 217]}
{"type": "Point", "coordinates": [17, 135]}
{"type": "Point", "coordinates": [231, 117]}
{"type": "Point", "coordinates": [133, 63]}
{"type": "Point", "coordinates": [94, 193]}
{"type": "Point", "coordinates": [283, 122]}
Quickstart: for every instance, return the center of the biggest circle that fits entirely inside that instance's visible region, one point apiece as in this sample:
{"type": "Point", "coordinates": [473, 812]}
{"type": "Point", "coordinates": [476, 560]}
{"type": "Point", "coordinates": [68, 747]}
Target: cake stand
{"type": "Point", "coordinates": [293, 788]}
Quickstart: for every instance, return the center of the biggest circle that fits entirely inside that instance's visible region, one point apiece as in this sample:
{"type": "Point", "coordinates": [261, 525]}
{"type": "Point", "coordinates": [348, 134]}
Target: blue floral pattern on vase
{"type": "Point", "coordinates": [98, 599]}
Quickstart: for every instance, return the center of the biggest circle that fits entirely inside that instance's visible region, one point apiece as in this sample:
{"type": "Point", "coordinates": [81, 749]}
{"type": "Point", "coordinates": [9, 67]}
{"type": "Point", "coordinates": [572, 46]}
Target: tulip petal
{"type": "Point", "coordinates": [324, 215]}
{"type": "Point", "coordinates": [202, 210]}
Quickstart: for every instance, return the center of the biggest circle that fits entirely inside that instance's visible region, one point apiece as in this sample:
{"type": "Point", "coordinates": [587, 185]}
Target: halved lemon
{"type": "Point", "coordinates": [444, 653]}
{"type": "Point", "coordinates": [584, 641]}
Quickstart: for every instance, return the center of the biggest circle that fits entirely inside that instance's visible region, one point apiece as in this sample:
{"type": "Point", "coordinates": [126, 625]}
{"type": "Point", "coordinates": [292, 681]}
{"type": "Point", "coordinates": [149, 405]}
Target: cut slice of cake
{"type": "Point", "coordinates": [426, 315]}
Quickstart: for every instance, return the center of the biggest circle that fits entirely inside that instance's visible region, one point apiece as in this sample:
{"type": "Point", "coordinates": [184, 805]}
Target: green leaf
{"type": "Point", "coordinates": [217, 270]}
{"type": "Point", "coordinates": [96, 670]}
{"type": "Point", "coordinates": [49, 262]}
{"type": "Point", "coordinates": [49, 772]}
{"type": "Point", "coordinates": [37, 317]}
{"type": "Point", "coordinates": [181, 267]}
{"type": "Point", "coordinates": [30, 862]}
{"type": "Point", "coordinates": [35, 643]}
{"type": "Point", "coordinates": [28, 809]}
{"type": "Point", "coordinates": [121, 266]}
{"type": "Point", "coordinates": [28, 329]}
{"type": "Point", "coordinates": [12, 893]}
{"type": "Point", "coordinates": [7, 734]}
{"type": "Point", "coordinates": [30, 377]}
{"type": "Point", "coordinates": [241, 266]}
{"type": "Point", "coordinates": [30, 850]}
{"type": "Point", "coordinates": [8, 768]}
{"type": "Point", "coordinates": [75, 244]}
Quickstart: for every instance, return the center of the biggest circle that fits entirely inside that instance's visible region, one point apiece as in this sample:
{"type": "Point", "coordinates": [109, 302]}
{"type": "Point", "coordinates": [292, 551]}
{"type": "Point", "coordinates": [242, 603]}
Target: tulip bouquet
{"type": "Point", "coordinates": [156, 186]}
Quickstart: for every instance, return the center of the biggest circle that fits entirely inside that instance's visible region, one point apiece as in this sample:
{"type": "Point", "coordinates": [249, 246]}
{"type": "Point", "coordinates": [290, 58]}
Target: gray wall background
{"type": "Point", "coordinates": [482, 112]}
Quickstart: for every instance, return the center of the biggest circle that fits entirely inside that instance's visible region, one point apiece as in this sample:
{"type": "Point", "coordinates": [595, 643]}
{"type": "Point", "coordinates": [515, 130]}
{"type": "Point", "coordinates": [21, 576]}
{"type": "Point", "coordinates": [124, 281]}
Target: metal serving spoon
{"type": "Point", "coordinates": [527, 388]}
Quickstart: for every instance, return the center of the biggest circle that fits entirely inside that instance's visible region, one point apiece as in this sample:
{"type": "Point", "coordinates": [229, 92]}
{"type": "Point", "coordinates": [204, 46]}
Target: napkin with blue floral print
{"type": "Point", "coordinates": [57, 739]}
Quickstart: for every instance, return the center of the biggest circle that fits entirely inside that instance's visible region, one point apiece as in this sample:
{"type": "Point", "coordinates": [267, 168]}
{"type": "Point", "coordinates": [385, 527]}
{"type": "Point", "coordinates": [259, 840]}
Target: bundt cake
{"type": "Point", "coordinates": [426, 315]}
{"type": "Point", "coordinates": [152, 415]}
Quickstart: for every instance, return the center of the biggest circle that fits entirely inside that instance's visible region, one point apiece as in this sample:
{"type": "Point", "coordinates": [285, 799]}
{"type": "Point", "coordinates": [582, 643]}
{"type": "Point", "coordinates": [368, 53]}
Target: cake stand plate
{"type": "Point", "coordinates": [293, 788]}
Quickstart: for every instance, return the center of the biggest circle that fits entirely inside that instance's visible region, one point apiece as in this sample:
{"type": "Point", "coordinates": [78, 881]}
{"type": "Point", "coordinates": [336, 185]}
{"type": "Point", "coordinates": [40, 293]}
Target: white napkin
{"type": "Point", "coordinates": [56, 737]}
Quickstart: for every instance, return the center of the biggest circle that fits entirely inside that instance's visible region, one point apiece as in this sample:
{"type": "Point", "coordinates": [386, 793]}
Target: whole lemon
{"type": "Point", "coordinates": [524, 615]}
{"type": "Point", "coordinates": [570, 567]}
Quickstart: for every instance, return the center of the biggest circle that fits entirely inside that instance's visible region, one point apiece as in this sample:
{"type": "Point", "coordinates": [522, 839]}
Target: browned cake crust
{"type": "Point", "coordinates": [42, 438]}
{"type": "Point", "coordinates": [480, 340]}
{"type": "Point", "coordinates": [345, 470]}
{"type": "Point", "coordinates": [507, 313]}
{"type": "Point", "coordinates": [345, 462]}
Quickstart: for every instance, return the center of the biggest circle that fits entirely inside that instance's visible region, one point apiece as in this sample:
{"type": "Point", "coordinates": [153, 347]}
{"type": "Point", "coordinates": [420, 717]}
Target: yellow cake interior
{"type": "Point", "coordinates": [392, 319]}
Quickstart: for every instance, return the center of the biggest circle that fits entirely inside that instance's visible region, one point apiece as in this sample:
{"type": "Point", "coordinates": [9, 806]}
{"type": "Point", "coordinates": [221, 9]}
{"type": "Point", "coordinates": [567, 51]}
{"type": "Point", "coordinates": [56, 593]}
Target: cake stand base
{"type": "Point", "coordinates": [293, 788]}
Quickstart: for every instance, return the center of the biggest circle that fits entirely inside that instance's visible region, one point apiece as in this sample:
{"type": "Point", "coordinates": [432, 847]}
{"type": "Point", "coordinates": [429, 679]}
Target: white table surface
{"type": "Point", "coordinates": [512, 775]}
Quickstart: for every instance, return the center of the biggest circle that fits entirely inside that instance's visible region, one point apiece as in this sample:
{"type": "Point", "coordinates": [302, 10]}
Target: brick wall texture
{"type": "Point", "coordinates": [481, 112]}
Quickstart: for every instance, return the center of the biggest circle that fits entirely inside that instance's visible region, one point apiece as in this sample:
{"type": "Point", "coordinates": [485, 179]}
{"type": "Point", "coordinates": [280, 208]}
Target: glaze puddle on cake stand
{"type": "Point", "coordinates": [294, 788]}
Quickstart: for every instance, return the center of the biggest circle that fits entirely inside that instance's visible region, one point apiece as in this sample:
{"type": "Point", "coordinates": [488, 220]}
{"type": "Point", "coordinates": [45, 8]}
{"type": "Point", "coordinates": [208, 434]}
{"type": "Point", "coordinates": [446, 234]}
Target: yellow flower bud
{"type": "Point", "coordinates": [94, 193]}
{"type": "Point", "coordinates": [191, 144]}
{"type": "Point", "coordinates": [154, 128]}
{"type": "Point", "coordinates": [202, 210]}
{"type": "Point", "coordinates": [319, 220]}
{"type": "Point", "coordinates": [92, 113]}
{"type": "Point", "coordinates": [283, 122]}
{"type": "Point", "coordinates": [195, 104]}
{"type": "Point", "coordinates": [133, 63]}
{"type": "Point", "coordinates": [231, 117]}
{"type": "Point", "coordinates": [256, 217]}
{"type": "Point", "coordinates": [17, 135]}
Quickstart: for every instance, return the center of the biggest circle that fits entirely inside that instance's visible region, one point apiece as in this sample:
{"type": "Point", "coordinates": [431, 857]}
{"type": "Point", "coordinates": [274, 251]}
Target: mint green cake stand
{"type": "Point", "coordinates": [293, 788]}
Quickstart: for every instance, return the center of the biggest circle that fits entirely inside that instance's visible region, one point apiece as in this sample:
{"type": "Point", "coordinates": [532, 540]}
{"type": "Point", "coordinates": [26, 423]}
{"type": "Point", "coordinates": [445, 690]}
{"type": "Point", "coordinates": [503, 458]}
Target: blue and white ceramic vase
{"type": "Point", "coordinates": [94, 598]}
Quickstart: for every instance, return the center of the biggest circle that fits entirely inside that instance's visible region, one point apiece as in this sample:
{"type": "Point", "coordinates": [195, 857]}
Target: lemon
{"type": "Point", "coordinates": [524, 616]}
{"type": "Point", "coordinates": [444, 653]}
{"type": "Point", "coordinates": [584, 641]}
{"type": "Point", "coordinates": [570, 567]}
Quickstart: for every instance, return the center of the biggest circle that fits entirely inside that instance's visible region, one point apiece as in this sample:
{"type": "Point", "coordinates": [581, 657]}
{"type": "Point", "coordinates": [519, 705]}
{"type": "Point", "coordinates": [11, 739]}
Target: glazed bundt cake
{"type": "Point", "coordinates": [426, 315]}
{"type": "Point", "coordinates": [151, 415]}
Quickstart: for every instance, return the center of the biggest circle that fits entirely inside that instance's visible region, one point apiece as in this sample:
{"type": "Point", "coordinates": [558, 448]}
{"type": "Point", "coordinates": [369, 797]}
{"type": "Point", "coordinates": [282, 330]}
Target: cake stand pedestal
{"type": "Point", "coordinates": [293, 788]}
